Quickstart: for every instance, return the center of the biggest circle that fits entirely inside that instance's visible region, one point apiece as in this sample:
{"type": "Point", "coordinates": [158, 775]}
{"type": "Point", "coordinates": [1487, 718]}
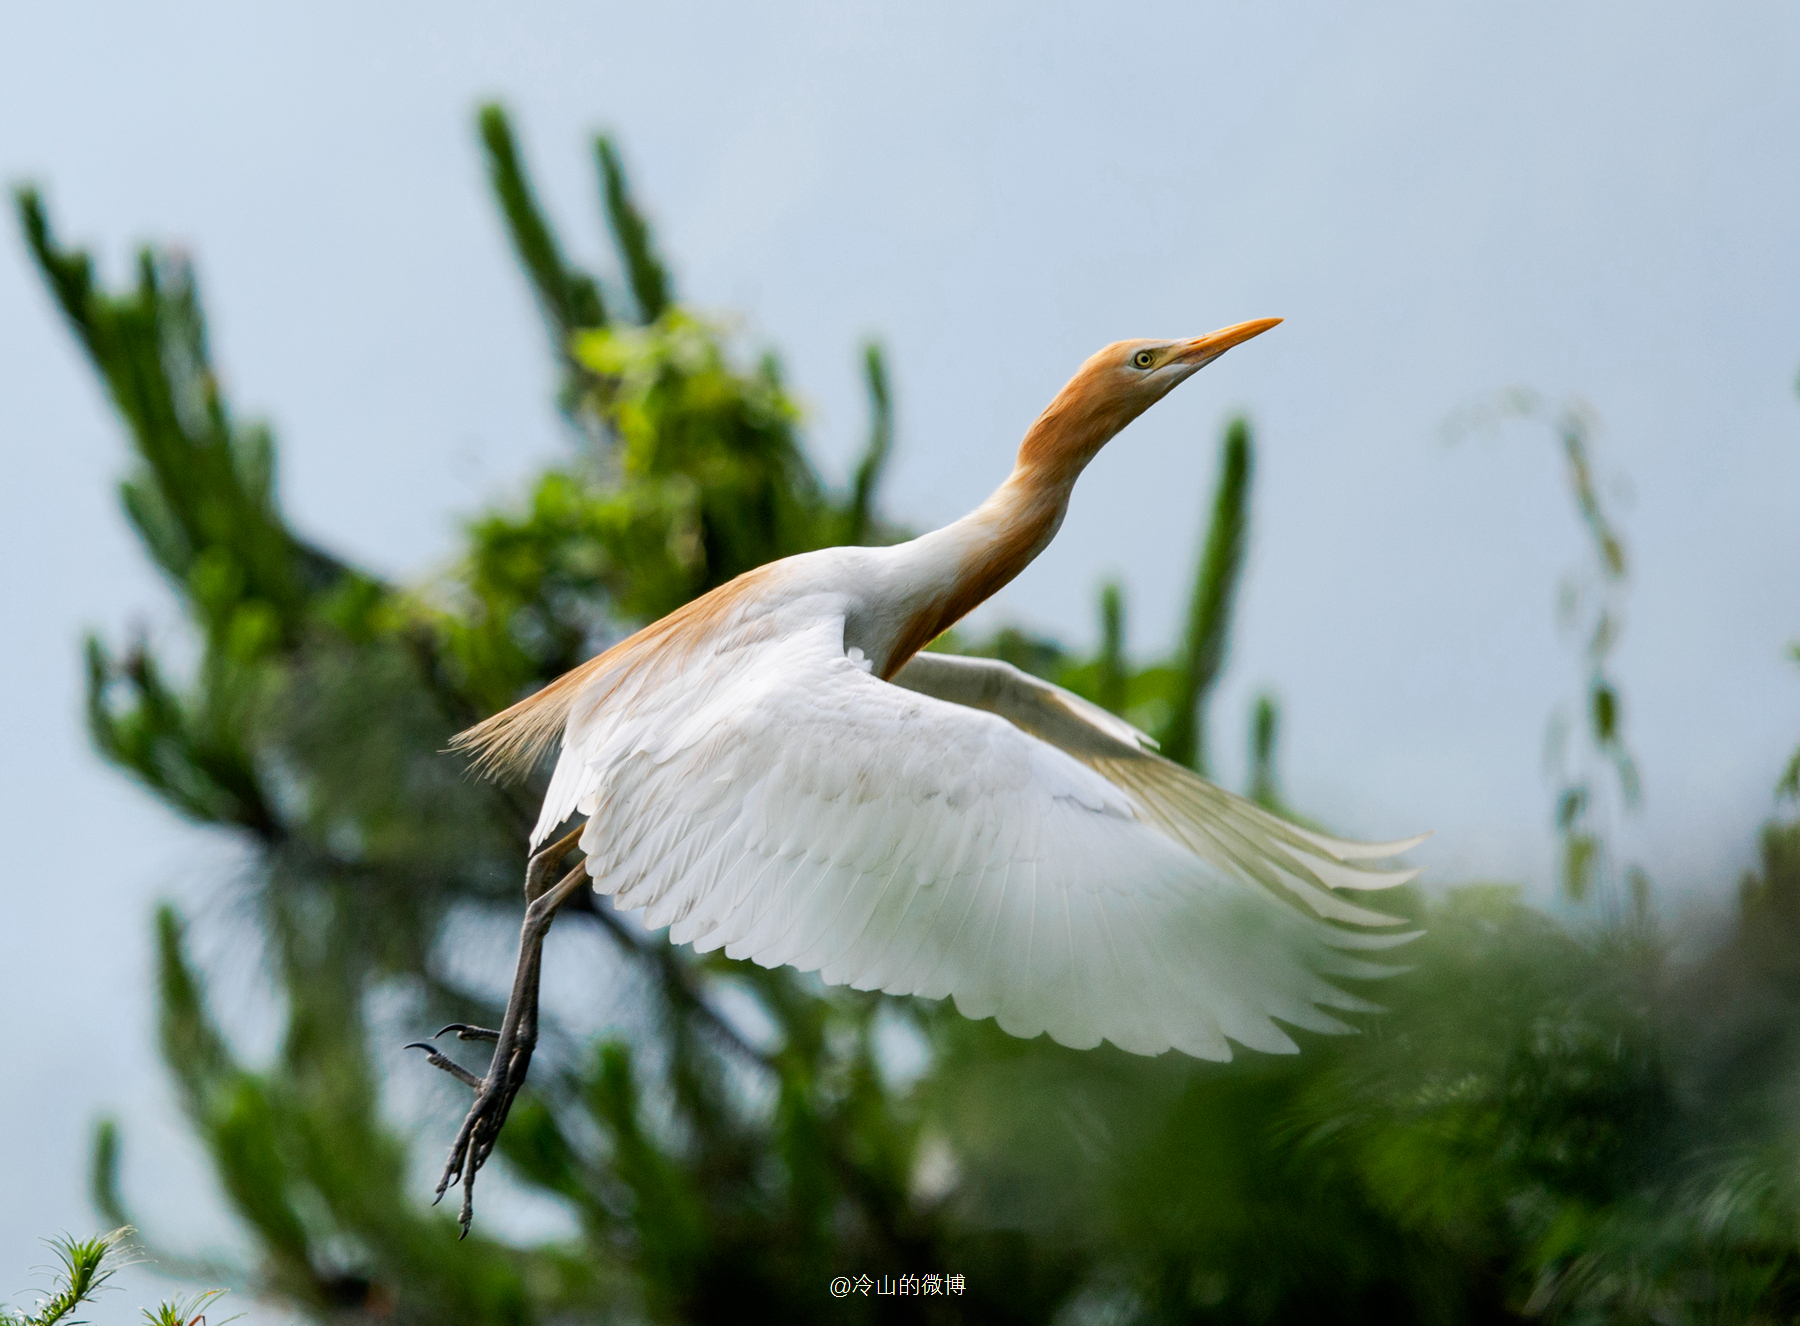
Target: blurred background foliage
{"type": "Point", "coordinates": [1555, 1120]}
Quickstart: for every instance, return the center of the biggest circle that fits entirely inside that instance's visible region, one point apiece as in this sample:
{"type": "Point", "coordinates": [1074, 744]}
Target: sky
{"type": "Point", "coordinates": [1594, 202]}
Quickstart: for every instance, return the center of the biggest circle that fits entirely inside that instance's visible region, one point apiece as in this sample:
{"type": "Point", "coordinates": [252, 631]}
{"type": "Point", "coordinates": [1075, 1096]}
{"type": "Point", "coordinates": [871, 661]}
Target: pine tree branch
{"type": "Point", "coordinates": [570, 298]}
{"type": "Point", "coordinates": [644, 270]}
{"type": "Point", "coordinates": [1114, 668]}
{"type": "Point", "coordinates": [1209, 609]}
{"type": "Point", "coordinates": [861, 520]}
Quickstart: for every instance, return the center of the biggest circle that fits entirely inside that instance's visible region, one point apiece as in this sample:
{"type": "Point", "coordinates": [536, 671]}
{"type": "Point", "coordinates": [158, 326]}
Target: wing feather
{"type": "Point", "coordinates": [1005, 845]}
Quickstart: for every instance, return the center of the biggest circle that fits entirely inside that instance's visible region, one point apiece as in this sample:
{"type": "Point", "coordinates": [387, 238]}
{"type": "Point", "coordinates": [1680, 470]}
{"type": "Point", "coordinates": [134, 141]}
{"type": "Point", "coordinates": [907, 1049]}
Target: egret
{"type": "Point", "coordinates": [775, 769]}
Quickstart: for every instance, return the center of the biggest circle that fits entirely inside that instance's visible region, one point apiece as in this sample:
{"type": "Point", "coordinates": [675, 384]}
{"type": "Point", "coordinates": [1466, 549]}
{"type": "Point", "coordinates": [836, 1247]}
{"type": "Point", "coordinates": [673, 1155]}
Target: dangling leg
{"type": "Point", "coordinates": [537, 870]}
{"type": "Point", "coordinates": [517, 1036]}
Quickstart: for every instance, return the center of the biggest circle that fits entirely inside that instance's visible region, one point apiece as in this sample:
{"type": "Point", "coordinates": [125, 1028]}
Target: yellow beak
{"type": "Point", "coordinates": [1205, 349]}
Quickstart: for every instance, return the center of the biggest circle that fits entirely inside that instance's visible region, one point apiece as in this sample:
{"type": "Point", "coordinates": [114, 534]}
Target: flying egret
{"type": "Point", "coordinates": [776, 770]}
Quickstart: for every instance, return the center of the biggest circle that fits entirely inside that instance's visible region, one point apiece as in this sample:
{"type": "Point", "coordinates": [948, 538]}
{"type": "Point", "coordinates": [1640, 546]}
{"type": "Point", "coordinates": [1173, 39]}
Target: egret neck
{"type": "Point", "coordinates": [922, 588]}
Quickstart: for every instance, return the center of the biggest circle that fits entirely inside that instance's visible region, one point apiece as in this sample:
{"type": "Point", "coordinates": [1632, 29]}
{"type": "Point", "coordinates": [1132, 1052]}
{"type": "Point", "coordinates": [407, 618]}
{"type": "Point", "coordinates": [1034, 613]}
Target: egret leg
{"type": "Point", "coordinates": [537, 870]}
{"type": "Point", "coordinates": [517, 1036]}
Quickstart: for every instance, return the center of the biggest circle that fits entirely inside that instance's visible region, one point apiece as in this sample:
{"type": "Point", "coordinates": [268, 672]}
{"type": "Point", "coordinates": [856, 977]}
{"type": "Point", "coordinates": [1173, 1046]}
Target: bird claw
{"type": "Point", "coordinates": [449, 1065]}
{"type": "Point", "coordinates": [480, 1129]}
{"type": "Point", "coordinates": [494, 1094]}
{"type": "Point", "coordinates": [437, 1059]}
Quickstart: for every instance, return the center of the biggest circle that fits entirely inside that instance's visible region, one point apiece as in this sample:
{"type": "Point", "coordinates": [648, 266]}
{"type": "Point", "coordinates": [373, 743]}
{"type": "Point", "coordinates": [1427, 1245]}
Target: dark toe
{"type": "Point", "coordinates": [450, 1066]}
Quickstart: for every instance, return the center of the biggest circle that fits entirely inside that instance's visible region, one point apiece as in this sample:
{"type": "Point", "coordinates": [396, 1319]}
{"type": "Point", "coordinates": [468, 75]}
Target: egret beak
{"type": "Point", "coordinates": [1202, 350]}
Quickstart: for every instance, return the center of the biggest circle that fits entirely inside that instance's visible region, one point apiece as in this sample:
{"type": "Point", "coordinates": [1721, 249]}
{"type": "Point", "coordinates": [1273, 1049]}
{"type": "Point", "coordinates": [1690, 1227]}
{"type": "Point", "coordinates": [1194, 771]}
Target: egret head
{"type": "Point", "coordinates": [1118, 384]}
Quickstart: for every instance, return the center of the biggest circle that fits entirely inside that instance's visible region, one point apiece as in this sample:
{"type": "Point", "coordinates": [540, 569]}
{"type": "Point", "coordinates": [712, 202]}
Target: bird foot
{"type": "Point", "coordinates": [494, 1094]}
{"type": "Point", "coordinates": [513, 1043]}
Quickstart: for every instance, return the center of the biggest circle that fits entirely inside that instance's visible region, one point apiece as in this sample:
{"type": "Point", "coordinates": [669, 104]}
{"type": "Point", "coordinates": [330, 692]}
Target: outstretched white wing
{"type": "Point", "coordinates": [1008, 846]}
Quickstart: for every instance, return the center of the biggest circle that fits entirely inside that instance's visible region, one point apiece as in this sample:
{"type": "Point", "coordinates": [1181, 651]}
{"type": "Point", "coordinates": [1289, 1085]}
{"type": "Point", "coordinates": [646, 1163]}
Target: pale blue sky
{"type": "Point", "coordinates": [1443, 201]}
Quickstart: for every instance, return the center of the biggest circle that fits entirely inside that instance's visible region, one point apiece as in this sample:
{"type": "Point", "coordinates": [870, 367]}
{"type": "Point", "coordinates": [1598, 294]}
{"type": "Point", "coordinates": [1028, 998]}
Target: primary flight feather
{"type": "Point", "coordinates": [776, 770]}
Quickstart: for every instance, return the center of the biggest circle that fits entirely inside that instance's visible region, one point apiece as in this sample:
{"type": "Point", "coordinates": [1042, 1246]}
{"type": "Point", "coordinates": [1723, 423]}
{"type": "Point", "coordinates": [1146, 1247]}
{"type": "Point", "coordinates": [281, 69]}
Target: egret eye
{"type": "Point", "coordinates": [1143, 359]}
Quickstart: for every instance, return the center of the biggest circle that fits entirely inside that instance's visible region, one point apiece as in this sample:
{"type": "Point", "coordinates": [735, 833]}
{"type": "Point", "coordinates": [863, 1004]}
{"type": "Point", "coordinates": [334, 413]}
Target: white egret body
{"type": "Point", "coordinates": [776, 770]}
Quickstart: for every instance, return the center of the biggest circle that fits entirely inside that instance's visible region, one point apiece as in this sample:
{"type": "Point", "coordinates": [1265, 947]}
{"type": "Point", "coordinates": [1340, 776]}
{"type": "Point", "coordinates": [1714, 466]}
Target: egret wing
{"type": "Point", "coordinates": [776, 800]}
{"type": "Point", "coordinates": [1231, 833]}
